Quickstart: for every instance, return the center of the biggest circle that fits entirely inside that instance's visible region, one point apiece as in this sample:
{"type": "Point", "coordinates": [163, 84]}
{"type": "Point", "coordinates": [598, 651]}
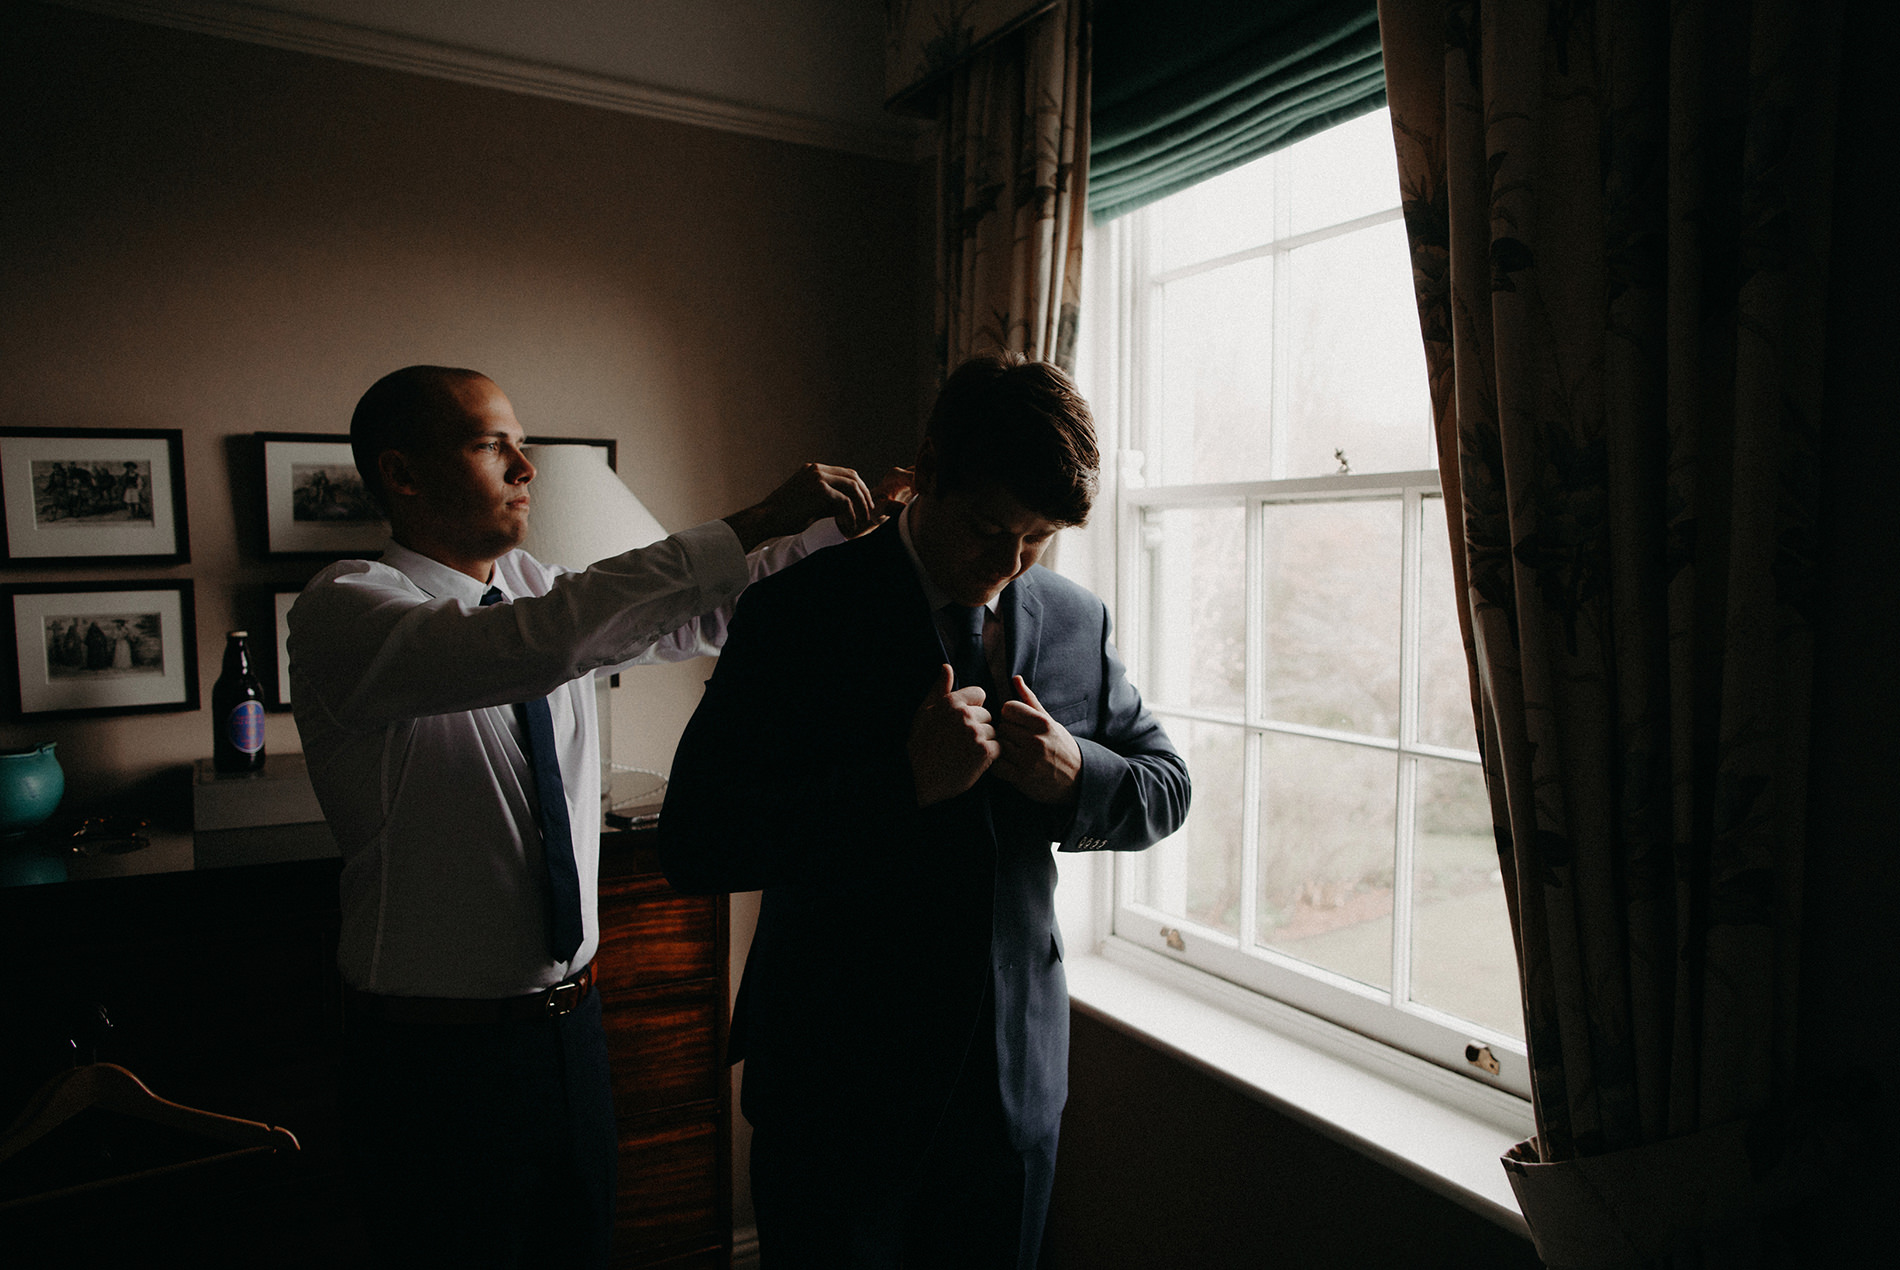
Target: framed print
{"type": "Point", "coordinates": [102, 648]}
{"type": "Point", "coordinates": [282, 680]}
{"type": "Point", "coordinates": [314, 500]}
{"type": "Point", "coordinates": [94, 495]}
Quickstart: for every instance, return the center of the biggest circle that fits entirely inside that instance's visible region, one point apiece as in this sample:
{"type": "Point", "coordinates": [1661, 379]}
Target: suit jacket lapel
{"type": "Point", "coordinates": [1021, 612]}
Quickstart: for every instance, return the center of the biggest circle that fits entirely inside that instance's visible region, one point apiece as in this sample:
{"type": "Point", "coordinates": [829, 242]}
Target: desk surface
{"type": "Point", "coordinates": [269, 818]}
{"type": "Point", "coordinates": [43, 860]}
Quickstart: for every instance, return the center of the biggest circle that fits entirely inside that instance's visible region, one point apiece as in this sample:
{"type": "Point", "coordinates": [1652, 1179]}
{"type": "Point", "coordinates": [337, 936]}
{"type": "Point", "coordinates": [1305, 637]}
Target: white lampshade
{"type": "Point", "coordinates": [579, 511]}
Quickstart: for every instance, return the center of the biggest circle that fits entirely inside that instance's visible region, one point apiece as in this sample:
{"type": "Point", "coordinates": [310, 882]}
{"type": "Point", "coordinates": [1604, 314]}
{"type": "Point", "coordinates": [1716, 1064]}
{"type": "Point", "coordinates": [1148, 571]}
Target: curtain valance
{"type": "Point", "coordinates": [1186, 91]}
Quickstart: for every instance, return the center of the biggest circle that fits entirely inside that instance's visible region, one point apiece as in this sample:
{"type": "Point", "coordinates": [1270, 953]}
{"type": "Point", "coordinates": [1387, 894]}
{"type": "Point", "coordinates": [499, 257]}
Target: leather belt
{"type": "Point", "coordinates": [549, 1003]}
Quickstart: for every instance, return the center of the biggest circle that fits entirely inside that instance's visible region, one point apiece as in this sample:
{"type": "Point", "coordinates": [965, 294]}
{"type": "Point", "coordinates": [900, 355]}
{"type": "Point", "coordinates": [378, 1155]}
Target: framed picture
{"type": "Point", "coordinates": [282, 681]}
{"type": "Point", "coordinates": [314, 501]}
{"type": "Point", "coordinates": [104, 648]}
{"type": "Point", "coordinates": [94, 495]}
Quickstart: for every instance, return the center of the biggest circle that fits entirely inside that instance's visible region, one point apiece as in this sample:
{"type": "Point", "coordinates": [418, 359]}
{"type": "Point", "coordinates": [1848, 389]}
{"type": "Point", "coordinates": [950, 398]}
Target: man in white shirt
{"type": "Point", "coordinates": [444, 696]}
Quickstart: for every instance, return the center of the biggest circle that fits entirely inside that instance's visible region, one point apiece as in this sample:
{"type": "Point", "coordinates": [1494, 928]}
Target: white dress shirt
{"type": "Point", "coordinates": [403, 688]}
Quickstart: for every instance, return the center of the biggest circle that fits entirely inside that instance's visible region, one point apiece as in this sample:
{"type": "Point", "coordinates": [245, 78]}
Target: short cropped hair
{"type": "Point", "coordinates": [1002, 419]}
{"type": "Point", "coordinates": [397, 413]}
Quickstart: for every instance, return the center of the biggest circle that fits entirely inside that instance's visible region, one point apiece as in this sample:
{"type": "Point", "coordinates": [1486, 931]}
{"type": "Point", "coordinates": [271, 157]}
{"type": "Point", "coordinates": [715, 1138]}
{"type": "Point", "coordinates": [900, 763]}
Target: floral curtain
{"type": "Point", "coordinates": [924, 40]}
{"type": "Point", "coordinates": [1618, 215]}
{"type": "Point", "coordinates": [1013, 143]}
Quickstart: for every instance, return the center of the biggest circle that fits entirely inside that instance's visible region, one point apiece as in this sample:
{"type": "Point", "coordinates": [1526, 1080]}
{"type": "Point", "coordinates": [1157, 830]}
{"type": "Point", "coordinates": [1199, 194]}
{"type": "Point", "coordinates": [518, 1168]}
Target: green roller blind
{"type": "Point", "coordinates": [1187, 89]}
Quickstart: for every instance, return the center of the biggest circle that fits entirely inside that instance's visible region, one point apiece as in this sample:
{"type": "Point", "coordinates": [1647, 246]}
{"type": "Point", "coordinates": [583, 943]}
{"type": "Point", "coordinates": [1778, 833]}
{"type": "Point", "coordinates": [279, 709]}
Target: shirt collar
{"type": "Point", "coordinates": [933, 594]}
{"type": "Point", "coordinates": [438, 580]}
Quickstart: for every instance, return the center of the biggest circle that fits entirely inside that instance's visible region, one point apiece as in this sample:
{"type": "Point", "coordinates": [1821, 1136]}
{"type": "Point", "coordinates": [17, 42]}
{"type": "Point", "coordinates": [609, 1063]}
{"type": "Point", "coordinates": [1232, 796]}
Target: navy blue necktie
{"type": "Point", "coordinates": [967, 656]}
{"type": "Point", "coordinates": [557, 835]}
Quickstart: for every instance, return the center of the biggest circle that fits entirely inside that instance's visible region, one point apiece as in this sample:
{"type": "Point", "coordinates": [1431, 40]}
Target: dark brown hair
{"type": "Point", "coordinates": [397, 413]}
{"type": "Point", "coordinates": [1002, 419]}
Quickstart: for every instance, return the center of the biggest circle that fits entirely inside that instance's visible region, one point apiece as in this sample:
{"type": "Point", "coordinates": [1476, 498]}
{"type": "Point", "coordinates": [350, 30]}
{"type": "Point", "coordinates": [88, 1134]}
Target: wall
{"type": "Point", "coordinates": [1162, 1165]}
{"type": "Point", "coordinates": [227, 239]}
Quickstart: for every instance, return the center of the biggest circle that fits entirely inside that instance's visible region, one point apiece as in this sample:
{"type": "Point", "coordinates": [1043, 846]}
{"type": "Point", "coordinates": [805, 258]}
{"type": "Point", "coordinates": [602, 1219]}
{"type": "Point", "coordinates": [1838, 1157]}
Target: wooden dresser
{"type": "Point", "coordinates": [222, 988]}
{"type": "Point", "coordinates": [663, 966]}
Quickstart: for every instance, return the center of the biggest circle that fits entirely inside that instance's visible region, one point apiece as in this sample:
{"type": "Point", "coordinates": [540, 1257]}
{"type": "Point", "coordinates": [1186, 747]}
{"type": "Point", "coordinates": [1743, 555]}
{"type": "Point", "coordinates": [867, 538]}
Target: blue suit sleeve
{"type": "Point", "coordinates": [1134, 786]}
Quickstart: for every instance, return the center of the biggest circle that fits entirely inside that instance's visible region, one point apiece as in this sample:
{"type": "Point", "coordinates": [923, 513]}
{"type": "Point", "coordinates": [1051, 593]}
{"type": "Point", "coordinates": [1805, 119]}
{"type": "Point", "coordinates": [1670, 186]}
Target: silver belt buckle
{"type": "Point", "coordinates": [562, 998]}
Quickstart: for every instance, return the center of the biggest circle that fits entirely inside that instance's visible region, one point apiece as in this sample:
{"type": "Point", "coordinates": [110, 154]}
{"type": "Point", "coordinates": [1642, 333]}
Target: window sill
{"type": "Point", "coordinates": [1442, 1130]}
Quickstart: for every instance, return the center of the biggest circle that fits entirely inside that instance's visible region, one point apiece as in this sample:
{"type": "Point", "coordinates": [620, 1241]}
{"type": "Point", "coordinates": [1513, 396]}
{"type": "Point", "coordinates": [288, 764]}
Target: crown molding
{"type": "Point", "coordinates": [900, 142]}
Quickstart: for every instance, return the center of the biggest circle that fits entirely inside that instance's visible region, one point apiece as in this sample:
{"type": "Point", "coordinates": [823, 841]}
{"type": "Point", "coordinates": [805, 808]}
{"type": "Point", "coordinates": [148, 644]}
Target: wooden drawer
{"type": "Point", "coordinates": [668, 1191]}
{"type": "Point", "coordinates": [700, 1259]}
{"type": "Point", "coordinates": [650, 936]}
{"type": "Point", "coordinates": [665, 1052]}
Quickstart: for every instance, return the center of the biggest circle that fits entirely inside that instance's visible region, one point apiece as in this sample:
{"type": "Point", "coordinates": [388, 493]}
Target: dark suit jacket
{"type": "Point", "coordinates": [882, 924]}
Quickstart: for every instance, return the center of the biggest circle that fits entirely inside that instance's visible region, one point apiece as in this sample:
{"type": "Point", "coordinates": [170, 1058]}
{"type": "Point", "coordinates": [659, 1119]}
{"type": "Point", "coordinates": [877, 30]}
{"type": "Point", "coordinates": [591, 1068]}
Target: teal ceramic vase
{"type": "Point", "coordinates": [31, 784]}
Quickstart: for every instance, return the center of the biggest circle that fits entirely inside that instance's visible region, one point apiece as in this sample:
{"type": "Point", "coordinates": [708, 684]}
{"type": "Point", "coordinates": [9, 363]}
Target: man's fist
{"type": "Point", "coordinates": [1037, 754]}
{"type": "Point", "coordinates": [814, 490]}
{"type": "Point", "coordinates": [952, 742]}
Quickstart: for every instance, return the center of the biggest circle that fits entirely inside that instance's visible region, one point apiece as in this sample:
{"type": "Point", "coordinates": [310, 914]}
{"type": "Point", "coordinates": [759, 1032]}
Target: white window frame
{"type": "Point", "coordinates": [1125, 397]}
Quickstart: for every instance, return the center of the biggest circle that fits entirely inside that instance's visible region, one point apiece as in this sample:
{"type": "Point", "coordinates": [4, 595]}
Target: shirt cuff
{"type": "Point", "coordinates": [821, 533]}
{"type": "Point", "coordinates": [715, 557]}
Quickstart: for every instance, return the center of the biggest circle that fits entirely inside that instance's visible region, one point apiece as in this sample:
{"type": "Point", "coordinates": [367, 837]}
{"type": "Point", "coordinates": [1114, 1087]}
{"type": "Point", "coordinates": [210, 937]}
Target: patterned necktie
{"type": "Point", "coordinates": [967, 656]}
{"type": "Point", "coordinates": [557, 835]}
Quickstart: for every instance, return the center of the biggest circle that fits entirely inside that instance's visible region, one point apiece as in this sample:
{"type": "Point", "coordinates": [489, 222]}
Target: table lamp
{"type": "Point", "coordinates": [580, 512]}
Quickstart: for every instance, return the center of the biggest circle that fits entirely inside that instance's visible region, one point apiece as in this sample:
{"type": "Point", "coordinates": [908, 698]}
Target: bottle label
{"type": "Point", "coordinates": [245, 727]}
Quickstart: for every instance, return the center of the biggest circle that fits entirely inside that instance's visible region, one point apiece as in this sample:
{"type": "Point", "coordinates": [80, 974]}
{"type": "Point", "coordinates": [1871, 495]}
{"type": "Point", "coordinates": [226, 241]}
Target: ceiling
{"type": "Point", "coordinates": [816, 60]}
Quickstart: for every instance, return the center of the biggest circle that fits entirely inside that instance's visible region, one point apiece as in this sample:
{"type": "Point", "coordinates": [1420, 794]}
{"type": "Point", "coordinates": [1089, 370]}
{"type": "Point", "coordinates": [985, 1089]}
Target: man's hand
{"type": "Point", "coordinates": [1037, 754]}
{"type": "Point", "coordinates": [814, 490]}
{"type": "Point", "coordinates": [890, 495]}
{"type": "Point", "coordinates": [951, 740]}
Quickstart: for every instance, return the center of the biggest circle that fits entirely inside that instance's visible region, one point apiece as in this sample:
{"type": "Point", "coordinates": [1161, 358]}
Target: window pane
{"type": "Point", "coordinates": [1356, 378]}
{"type": "Point", "coordinates": [1444, 686]}
{"type": "Point", "coordinates": [1196, 873]}
{"type": "Point", "coordinates": [1342, 173]}
{"type": "Point", "coordinates": [1462, 960]}
{"type": "Point", "coordinates": [1332, 619]}
{"type": "Point", "coordinates": [1326, 852]}
{"type": "Point", "coordinates": [1216, 363]}
{"type": "Point", "coordinates": [1231, 212]}
{"type": "Point", "coordinates": [1195, 649]}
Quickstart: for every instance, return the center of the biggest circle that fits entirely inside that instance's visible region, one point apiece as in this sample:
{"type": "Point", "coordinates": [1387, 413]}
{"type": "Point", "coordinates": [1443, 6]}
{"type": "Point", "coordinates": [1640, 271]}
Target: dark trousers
{"type": "Point", "coordinates": [827, 1197]}
{"type": "Point", "coordinates": [482, 1144]}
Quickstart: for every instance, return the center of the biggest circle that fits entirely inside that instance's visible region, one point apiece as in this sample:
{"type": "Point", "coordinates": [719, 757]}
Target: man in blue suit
{"type": "Point", "coordinates": [896, 733]}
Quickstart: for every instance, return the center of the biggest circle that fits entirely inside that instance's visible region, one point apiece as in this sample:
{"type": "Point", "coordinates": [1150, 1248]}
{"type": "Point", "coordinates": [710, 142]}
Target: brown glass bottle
{"type": "Point", "coordinates": [237, 710]}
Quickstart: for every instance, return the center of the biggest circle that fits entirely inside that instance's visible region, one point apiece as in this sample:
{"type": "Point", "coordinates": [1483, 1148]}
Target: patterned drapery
{"type": "Point", "coordinates": [1619, 223]}
{"type": "Point", "coordinates": [1013, 126]}
{"type": "Point", "coordinates": [925, 39]}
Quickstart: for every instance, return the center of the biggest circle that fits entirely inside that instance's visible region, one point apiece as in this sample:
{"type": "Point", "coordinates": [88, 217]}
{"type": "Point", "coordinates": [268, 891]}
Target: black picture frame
{"type": "Point", "coordinates": [81, 649]}
{"type": "Point", "coordinates": [75, 497]}
{"type": "Point", "coordinates": [314, 501]}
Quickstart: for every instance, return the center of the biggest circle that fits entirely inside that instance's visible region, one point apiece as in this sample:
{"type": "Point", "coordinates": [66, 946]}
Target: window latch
{"type": "Point", "coordinates": [1481, 1056]}
{"type": "Point", "coordinates": [1174, 939]}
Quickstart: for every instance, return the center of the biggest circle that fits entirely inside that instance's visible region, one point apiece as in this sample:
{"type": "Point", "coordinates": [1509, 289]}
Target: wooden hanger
{"type": "Point", "coordinates": [113, 1088]}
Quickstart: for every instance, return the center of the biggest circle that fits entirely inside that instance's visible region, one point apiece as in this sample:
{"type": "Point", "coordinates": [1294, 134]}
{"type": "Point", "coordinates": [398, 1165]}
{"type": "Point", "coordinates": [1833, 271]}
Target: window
{"type": "Point", "coordinates": [1278, 558]}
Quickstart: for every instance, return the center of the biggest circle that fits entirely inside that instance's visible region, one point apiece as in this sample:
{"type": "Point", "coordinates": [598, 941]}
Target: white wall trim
{"type": "Point", "coordinates": [423, 57]}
